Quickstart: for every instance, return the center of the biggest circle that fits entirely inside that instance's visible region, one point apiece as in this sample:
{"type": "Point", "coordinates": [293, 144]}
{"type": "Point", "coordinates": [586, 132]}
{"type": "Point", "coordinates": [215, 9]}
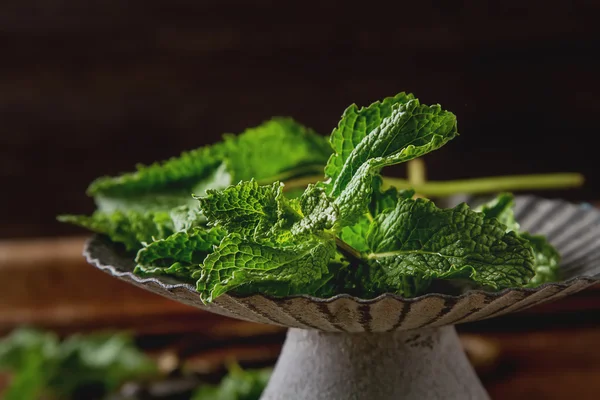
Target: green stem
{"type": "Point", "coordinates": [347, 250]}
{"type": "Point", "coordinates": [469, 186]}
{"type": "Point", "coordinates": [416, 172]}
{"type": "Point", "coordinates": [300, 172]}
{"type": "Point", "coordinates": [301, 182]}
{"type": "Point", "coordinates": [490, 184]}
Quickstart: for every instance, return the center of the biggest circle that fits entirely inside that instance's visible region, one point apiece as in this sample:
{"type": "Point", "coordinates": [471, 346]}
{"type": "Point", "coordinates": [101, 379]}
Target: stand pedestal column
{"type": "Point", "coordinates": [411, 365]}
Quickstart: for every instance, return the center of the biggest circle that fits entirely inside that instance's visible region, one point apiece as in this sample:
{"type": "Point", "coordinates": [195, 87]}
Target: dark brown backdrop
{"type": "Point", "coordinates": [91, 88]}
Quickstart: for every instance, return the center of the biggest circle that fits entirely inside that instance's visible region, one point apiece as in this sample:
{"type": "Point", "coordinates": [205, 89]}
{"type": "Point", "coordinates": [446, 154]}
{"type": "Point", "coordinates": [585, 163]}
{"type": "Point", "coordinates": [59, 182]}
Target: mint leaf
{"type": "Point", "coordinates": [187, 217]}
{"type": "Point", "coordinates": [31, 380]}
{"type": "Point", "coordinates": [276, 150]}
{"type": "Point", "coordinates": [249, 209]}
{"type": "Point", "coordinates": [175, 173]}
{"type": "Point", "coordinates": [279, 149]}
{"type": "Point", "coordinates": [105, 358]}
{"type": "Point", "coordinates": [131, 228]}
{"type": "Point", "coordinates": [277, 271]}
{"type": "Point", "coordinates": [421, 241]}
{"type": "Point", "coordinates": [547, 260]}
{"type": "Point", "coordinates": [318, 210]}
{"type": "Point", "coordinates": [356, 235]}
{"type": "Point", "coordinates": [274, 147]}
{"type": "Point", "coordinates": [43, 367]}
{"type": "Point", "coordinates": [178, 255]}
{"type": "Point", "coordinates": [347, 234]}
{"type": "Point", "coordinates": [354, 126]}
{"type": "Point", "coordinates": [501, 208]}
{"type": "Point", "coordinates": [411, 130]}
{"type": "Point", "coordinates": [383, 200]}
{"type": "Point", "coordinates": [404, 131]}
{"type": "Point", "coordinates": [238, 384]}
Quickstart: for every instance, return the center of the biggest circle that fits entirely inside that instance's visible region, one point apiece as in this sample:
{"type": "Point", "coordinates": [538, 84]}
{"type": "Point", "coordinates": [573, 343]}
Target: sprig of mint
{"type": "Point", "coordinates": [547, 259]}
{"type": "Point", "coordinates": [45, 367]}
{"type": "Point", "coordinates": [344, 234]}
{"type": "Point", "coordinates": [156, 200]}
{"type": "Point", "coordinates": [238, 384]}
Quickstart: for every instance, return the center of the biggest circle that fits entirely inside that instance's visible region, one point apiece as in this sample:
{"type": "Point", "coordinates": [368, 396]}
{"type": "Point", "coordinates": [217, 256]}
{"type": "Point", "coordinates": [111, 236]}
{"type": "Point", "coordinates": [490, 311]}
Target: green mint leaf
{"type": "Point", "coordinates": [411, 130]}
{"type": "Point", "coordinates": [178, 255]}
{"type": "Point", "coordinates": [318, 210]}
{"type": "Point", "coordinates": [164, 200]}
{"type": "Point", "coordinates": [274, 147]}
{"type": "Point", "coordinates": [187, 217]}
{"type": "Point", "coordinates": [15, 347]}
{"type": "Point", "coordinates": [131, 228]}
{"type": "Point", "coordinates": [249, 209]}
{"type": "Point", "coordinates": [383, 200]}
{"type": "Point", "coordinates": [354, 126]}
{"type": "Point", "coordinates": [408, 131]}
{"type": "Point", "coordinates": [421, 241]}
{"type": "Point", "coordinates": [238, 384]}
{"type": "Point", "coordinates": [356, 235]}
{"type": "Point", "coordinates": [31, 380]}
{"type": "Point", "coordinates": [104, 358]}
{"type": "Point", "coordinates": [175, 173]}
{"type": "Point", "coordinates": [43, 367]}
{"type": "Point", "coordinates": [276, 271]}
{"type": "Point", "coordinates": [501, 208]}
{"type": "Point", "coordinates": [547, 260]}
{"type": "Point", "coordinates": [276, 150]}
{"type": "Point", "coordinates": [387, 278]}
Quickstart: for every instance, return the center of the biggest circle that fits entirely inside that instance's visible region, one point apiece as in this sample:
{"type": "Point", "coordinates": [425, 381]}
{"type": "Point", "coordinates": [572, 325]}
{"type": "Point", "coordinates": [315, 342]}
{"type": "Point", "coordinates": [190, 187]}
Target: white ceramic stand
{"type": "Point", "coordinates": [411, 365]}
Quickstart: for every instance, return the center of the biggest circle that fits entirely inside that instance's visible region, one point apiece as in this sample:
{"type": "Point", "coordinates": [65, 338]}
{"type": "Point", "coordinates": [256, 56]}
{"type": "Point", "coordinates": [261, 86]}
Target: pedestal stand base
{"type": "Point", "coordinates": [414, 365]}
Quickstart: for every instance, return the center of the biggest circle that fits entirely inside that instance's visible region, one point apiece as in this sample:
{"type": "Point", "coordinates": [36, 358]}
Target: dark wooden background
{"type": "Point", "coordinates": [91, 88]}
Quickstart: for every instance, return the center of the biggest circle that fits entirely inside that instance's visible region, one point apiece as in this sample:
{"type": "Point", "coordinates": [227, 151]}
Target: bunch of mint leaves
{"type": "Point", "coordinates": [238, 384]}
{"type": "Point", "coordinates": [248, 229]}
{"type": "Point", "coordinates": [79, 367]}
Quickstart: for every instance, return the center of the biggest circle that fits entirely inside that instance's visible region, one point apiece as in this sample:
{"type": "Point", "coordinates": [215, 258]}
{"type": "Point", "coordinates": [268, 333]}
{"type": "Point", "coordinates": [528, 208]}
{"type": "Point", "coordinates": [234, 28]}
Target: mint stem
{"type": "Point", "coordinates": [348, 250]}
{"type": "Point", "coordinates": [510, 183]}
{"type": "Point", "coordinates": [490, 184]}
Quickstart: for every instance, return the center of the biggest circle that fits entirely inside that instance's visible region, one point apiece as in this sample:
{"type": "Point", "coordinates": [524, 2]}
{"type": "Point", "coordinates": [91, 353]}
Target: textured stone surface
{"type": "Point", "coordinates": [413, 365]}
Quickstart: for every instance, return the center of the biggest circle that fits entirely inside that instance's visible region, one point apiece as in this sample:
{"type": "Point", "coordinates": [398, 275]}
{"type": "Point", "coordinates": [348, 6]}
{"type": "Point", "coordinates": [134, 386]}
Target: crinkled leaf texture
{"type": "Point", "coordinates": [421, 242]}
{"type": "Point", "coordinates": [382, 200]}
{"type": "Point", "coordinates": [354, 126]}
{"type": "Point", "coordinates": [501, 208]}
{"type": "Point", "coordinates": [135, 208]}
{"type": "Point", "coordinates": [274, 147]}
{"type": "Point", "coordinates": [346, 234]}
{"type": "Point", "coordinates": [547, 258]}
{"type": "Point", "coordinates": [252, 210]}
{"type": "Point", "coordinates": [132, 228]}
{"type": "Point", "coordinates": [278, 271]}
{"type": "Point", "coordinates": [383, 134]}
{"type": "Point", "coordinates": [318, 211]}
{"type": "Point", "coordinates": [180, 254]}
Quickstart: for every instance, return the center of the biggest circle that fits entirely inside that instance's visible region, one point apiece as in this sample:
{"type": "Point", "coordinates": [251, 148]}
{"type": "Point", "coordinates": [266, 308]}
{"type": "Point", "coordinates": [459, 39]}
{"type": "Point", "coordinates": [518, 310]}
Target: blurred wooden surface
{"type": "Point", "coordinates": [88, 89]}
